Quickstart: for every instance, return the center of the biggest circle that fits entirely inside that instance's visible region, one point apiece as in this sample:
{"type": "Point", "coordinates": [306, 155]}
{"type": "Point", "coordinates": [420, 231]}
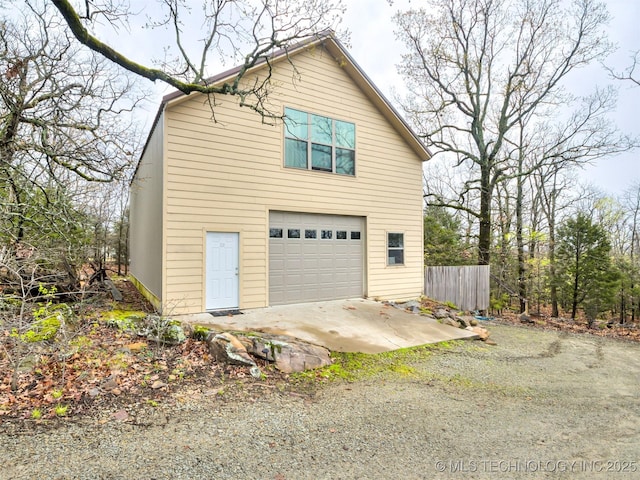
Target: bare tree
{"type": "Point", "coordinates": [231, 30]}
{"type": "Point", "coordinates": [65, 118]}
{"type": "Point", "coordinates": [476, 68]}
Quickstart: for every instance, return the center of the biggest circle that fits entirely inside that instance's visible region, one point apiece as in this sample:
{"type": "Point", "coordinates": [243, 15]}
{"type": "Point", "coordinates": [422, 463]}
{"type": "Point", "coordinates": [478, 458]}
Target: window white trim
{"type": "Point", "coordinates": [294, 159]}
{"type": "Point", "coordinates": [395, 249]}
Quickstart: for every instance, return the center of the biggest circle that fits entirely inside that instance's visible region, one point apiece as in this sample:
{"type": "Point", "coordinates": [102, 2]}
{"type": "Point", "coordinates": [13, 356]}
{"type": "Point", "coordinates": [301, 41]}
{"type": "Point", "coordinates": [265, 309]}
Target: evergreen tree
{"type": "Point", "coordinates": [442, 244]}
{"type": "Point", "coordinates": [586, 276]}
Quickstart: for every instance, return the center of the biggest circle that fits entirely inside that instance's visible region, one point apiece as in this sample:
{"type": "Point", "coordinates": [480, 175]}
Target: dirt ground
{"type": "Point", "coordinates": [539, 404]}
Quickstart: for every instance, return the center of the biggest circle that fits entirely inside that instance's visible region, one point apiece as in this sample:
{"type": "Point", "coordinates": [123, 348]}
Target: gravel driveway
{"type": "Point", "coordinates": [540, 404]}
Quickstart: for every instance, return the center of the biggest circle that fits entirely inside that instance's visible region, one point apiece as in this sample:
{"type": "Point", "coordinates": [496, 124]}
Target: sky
{"type": "Point", "coordinates": [373, 45]}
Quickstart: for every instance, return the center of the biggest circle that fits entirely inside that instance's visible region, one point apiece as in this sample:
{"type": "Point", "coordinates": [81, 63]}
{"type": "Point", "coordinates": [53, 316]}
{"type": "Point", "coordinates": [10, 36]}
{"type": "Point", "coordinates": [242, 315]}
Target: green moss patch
{"type": "Point", "coordinates": [359, 366]}
{"type": "Point", "coordinates": [125, 320]}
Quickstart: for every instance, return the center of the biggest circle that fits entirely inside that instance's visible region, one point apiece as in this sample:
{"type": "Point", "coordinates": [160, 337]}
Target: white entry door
{"type": "Point", "coordinates": [222, 271]}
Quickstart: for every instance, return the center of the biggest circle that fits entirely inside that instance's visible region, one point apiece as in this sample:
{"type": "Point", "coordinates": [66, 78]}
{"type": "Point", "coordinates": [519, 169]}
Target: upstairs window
{"type": "Point", "coordinates": [314, 142]}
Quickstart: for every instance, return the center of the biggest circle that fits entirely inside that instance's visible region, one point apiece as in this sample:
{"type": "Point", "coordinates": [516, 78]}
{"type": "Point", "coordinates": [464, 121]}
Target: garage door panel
{"type": "Point", "coordinates": [326, 262]}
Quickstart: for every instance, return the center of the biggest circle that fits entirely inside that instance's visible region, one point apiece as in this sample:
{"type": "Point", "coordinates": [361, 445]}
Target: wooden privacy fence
{"type": "Point", "coordinates": [467, 287]}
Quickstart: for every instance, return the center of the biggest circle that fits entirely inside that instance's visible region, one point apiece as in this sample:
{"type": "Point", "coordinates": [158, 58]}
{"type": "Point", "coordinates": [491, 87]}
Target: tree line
{"type": "Point", "coordinates": [488, 91]}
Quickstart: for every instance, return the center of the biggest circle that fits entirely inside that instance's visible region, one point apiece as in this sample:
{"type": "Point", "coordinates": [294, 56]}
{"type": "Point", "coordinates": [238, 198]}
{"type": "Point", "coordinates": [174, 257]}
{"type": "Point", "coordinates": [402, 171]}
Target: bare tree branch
{"type": "Point", "coordinates": [629, 73]}
{"type": "Point", "coordinates": [477, 68]}
{"type": "Point", "coordinates": [249, 29]}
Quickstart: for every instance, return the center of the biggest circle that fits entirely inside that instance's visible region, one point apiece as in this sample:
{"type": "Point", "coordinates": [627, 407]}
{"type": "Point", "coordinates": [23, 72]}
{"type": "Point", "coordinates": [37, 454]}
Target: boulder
{"type": "Point", "coordinates": [482, 332]}
{"type": "Point", "coordinates": [226, 348]}
{"type": "Point", "coordinates": [464, 322]}
{"type": "Point", "coordinates": [449, 321]}
{"type": "Point", "coordinates": [289, 355]}
{"type": "Point", "coordinates": [411, 306]}
{"type": "Point", "coordinates": [441, 313]}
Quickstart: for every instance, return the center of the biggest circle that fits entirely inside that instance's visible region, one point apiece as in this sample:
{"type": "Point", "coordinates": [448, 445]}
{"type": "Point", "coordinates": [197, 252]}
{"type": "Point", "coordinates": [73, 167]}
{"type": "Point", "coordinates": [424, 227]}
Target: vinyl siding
{"type": "Point", "coordinates": [226, 176]}
{"type": "Point", "coordinates": [145, 236]}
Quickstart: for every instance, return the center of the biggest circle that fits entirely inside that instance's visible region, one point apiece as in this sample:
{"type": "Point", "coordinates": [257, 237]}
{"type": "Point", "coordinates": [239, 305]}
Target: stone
{"type": "Point", "coordinates": [525, 318]}
{"type": "Point", "coordinates": [226, 348]}
{"type": "Point", "coordinates": [409, 305]}
{"type": "Point", "coordinates": [441, 313]}
{"type": "Point", "coordinates": [289, 355]}
{"type": "Point", "coordinates": [299, 357]}
{"type": "Point", "coordinates": [482, 332]}
{"type": "Point", "coordinates": [464, 323]}
{"type": "Point", "coordinates": [120, 415]}
{"type": "Point", "coordinates": [158, 384]}
{"type": "Point", "coordinates": [473, 322]}
{"type": "Point", "coordinates": [449, 321]}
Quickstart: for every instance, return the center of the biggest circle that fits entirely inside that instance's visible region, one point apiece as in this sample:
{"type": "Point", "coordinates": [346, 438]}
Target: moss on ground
{"type": "Point", "coordinates": [360, 366]}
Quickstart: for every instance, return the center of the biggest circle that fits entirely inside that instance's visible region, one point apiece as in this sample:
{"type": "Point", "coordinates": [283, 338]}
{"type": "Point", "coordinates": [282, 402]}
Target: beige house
{"type": "Point", "coordinates": [326, 204]}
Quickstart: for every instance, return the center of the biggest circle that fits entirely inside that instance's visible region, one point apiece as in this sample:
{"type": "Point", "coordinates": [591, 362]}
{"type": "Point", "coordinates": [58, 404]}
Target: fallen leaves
{"type": "Point", "coordinates": [629, 331]}
{"type": "Point", "coordinates": [109, 364]}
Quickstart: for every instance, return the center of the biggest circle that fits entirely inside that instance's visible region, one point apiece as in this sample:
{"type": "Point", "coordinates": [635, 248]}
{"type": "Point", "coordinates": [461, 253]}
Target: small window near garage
{"type": "Point", "coordinates": [293, 233]}
{"type": "Point", "coordinates": [310, 234]}
{"type": "Point", "coordinates": [395, 248]}
{"type": "Point", "coordinates": [341, 235]}
{"type": "Point", "coordinates": [355, 235]}
{"type": "Point", "coordinates": [275, 233]}
{"type": "Point", "coordinates": [326, 234]}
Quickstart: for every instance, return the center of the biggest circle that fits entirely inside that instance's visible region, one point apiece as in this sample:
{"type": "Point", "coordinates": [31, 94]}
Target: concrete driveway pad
{"type": "Point", "coordinates": [356, 325]}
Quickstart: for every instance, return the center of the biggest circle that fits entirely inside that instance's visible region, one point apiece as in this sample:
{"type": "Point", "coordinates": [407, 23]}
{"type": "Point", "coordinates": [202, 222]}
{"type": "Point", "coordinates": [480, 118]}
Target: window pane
{"type": "Point", "coordinates": [293, 233]}
{"type": "Point", "coordinates": [320, 157]}
{"type": "Point", "coordinates": [345, 161]}
{"type": "Point", "coordinates": [296, 124]}
{"type": "Point", "coordinates": [295, 154]}
{"type": "Point", "coordinates": [395, 240]}
{"type": "Point", "coordinates": [345, 134]}
{"type": "Point", "coordinates": [321, 129]}
{"type": "Point", "coordinates": [341, 235]}
{"type": "Point", "coordinates": [396, 257]}
{"type": "Point", "coordinates": [326, 234]}
{"type": "Point", "coordinates": [355, 235]}
{"type": "Point", "coordinates": [310, 234]}
{"type": "Point", "coordinates": [275, 232]}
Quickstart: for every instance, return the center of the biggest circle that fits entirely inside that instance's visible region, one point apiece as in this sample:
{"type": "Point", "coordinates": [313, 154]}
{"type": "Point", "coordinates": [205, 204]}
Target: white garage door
{"type": "Point", "coordinates": [315, 257]}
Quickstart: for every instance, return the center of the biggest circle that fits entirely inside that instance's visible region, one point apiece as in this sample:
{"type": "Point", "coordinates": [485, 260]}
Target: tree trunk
{"type": "Point", "coordinates": [576, 283]}
{"type": "Point", "coordinates": [553, 287]}
{"type": "Point", "coordinates": [484, 233]}
{"type": "Point", "coordinates": [119, 247]}
{"type": "Point", "coordinates": [522, 285]}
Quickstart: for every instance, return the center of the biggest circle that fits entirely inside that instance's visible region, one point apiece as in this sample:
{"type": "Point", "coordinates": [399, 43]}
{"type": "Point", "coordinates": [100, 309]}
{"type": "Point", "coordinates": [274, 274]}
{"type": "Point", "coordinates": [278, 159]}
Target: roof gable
{"type": "Point", "coordinates": [357, 75]}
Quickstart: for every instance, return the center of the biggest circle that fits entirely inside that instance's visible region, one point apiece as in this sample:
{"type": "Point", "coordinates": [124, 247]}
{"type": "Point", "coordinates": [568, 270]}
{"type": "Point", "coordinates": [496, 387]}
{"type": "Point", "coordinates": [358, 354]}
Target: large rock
{"type": "Point", "coordinates": [226, 348]}
{"type": "Point", "coordinates": [449, 321]}
{"type": "Point", "coordinates": [289, 355]}
{"type": "Point", "coordinates": [482, 332]}
{"type": "Point", "coordinates": [441, 313]}
{"type": "Point", "coordinates": [463, 321]}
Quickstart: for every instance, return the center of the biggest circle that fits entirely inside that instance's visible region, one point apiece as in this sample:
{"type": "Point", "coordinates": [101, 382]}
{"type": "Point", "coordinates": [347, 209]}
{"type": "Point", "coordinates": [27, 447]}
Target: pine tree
{"type": "Point", "coordinates": [586, 276]}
